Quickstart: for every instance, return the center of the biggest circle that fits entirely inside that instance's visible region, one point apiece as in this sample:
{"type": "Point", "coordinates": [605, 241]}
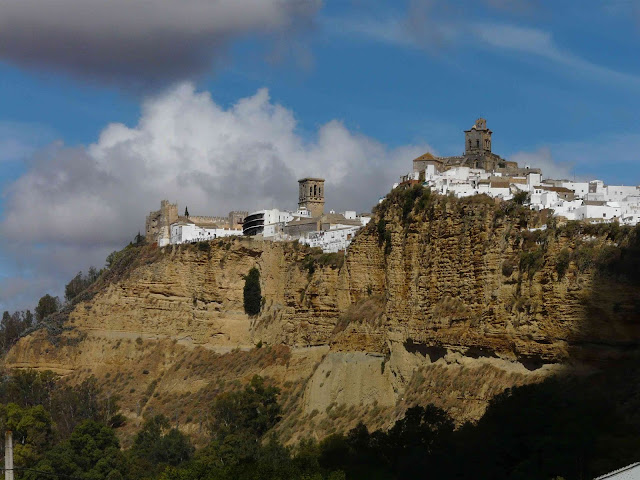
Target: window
{"type": "Point", "coordinates": [478, 143]}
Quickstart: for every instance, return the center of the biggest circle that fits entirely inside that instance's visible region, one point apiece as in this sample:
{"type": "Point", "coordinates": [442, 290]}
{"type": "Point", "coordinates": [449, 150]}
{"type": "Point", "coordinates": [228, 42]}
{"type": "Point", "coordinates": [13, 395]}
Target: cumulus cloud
{"type": "Point", "coordinates": [543, 159]}
{"type": "Point", "coordinates": [142, 40]}
{"type": "Point", "coordinates": [186, 148]}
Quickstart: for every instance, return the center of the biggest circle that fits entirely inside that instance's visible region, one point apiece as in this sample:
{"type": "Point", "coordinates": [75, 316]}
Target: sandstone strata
{"type": "Point", "coordinates": [436, 316]}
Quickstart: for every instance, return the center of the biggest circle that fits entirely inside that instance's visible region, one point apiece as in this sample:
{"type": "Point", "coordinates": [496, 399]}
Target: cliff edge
{"type": "Point", "coordinates": [437, 300]}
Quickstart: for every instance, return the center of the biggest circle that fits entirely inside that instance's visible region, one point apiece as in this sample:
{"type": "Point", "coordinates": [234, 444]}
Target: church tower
{"type": "Point", "coordinates": [311, 195]}
{"type": "Point", "coordinates": [477, 139]}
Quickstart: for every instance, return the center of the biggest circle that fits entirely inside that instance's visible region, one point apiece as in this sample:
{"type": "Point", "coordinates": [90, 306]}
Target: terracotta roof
{"type": "Point", "coordinates": [426, 156]}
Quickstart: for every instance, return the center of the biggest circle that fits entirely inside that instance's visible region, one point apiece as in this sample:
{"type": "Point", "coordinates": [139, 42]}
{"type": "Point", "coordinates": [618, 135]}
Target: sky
{"type": "Point", "coordinates": [106, 108]}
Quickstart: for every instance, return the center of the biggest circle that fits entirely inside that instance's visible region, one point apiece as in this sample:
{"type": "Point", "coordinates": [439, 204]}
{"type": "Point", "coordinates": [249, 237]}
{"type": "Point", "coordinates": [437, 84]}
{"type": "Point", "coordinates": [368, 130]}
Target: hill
{"type": "Point", "coordinates": [438, 300]}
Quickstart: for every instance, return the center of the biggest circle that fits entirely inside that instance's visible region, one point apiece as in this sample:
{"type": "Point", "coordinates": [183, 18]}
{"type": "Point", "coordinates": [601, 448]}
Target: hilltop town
{"type": "Point", "coordinates": [478, 171]}
{"type": "Point", "coordinates": [309, 224]}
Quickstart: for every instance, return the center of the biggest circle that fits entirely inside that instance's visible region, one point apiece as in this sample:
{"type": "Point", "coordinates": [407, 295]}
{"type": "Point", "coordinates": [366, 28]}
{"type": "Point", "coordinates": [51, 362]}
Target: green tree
{"type": "Point", "coordinates": [157, 445]}
{"type": "Point", "coordinates": [46, 306]}
{"type": "Point", "coordinates": [521, 198]}
{"type": "Point", "coordinates": [250, 412]}
{"type": "Point", "coordinates": [92, 453]}
{"type": "Point", "coordinates": [32, 431]}
{"type": "Point", "coordinates": [252, 292]}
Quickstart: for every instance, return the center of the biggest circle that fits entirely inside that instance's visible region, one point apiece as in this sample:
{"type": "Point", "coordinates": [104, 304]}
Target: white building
{"type": "Point", "coordinates": [268, 223]}
{"type": "Point", "coordinates": [188, 232]}
{"type": "Point", "coordinates": [326, 232]}
{"type": "Point", "coordinates": [332, 240]}
{"type": "Point", "coordinates": [590, 201]}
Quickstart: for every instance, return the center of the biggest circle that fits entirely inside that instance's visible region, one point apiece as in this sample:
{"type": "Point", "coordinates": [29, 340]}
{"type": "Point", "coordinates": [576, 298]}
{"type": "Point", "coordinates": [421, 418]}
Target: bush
{"type": "Point", "coordinates": [252, 292]}
{"type": "Point", "coordinates": [532, 261]}
{"type": "Point", "coordinates": [507, 267]}
{"type": "Point", "coordinates": [562, 263]}
{"type": "Point", "coordinates": [381, 228]}
{"type": "Point", "coordinates": [521, 198]}
{"type": "Point", "coordinates": [584, 256]}
{"type": "Point", "coordinates": [204, 246]}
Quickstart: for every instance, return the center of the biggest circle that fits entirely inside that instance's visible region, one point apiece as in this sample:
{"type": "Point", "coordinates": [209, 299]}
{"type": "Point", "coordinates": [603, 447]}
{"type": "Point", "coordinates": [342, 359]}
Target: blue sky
{"type": "Point", "coordinates": [346, 89]}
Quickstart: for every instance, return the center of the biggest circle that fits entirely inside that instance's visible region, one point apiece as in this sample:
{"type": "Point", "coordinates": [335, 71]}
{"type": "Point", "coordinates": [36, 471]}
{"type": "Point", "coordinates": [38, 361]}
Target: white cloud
{"type": "Point", "coordinates": [432, 25]}
{"type": "Point", "coordinates": [541, 44]}
{"type": "Point", "coordinates": [543, 159]}
{"type": "Point", "coordinates": [138, 41]}
{"type": "Point", "coordinates": [186, 148]}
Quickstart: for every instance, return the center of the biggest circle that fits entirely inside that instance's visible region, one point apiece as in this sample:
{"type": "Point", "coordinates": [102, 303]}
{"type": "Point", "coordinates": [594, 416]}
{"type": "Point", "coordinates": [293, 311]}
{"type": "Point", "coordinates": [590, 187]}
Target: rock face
{"type": "Point", "coordinates": [437, 301]}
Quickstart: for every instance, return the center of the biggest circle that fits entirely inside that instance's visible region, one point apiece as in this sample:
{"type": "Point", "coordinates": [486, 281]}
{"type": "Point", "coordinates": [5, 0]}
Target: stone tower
{"type": "Point", "coordinates": [311, 195]}
{"type": "Point", "coordinates": [157, 225]}
{"type": "Point", "coordinates": [477, 139]}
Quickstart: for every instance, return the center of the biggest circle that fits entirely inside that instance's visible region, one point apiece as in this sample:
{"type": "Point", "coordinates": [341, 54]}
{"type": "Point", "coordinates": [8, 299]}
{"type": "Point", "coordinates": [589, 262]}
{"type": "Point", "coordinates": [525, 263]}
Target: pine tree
{"type": "Point", "coordinates": [252, 292]}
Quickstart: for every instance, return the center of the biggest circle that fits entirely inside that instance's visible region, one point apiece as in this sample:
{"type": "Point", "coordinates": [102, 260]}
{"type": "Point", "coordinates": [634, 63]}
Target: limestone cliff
{"type": "Point", "coordinates": [437, 300]}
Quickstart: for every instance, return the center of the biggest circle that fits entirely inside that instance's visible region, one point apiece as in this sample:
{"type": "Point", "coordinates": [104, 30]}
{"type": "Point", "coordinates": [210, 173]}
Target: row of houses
{"type": "Point", "coordinates": [590, 201]}
{"type": "Point", "coordinates": [332, 232]}
{"type": "Point", "coordinates": [480, 171]}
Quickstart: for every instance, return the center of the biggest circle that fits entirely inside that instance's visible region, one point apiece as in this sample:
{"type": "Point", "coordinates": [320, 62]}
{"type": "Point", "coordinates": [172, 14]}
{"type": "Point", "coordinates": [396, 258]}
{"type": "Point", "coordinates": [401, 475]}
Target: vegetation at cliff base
{"type": "Point", "coordinates": [575, 428]}
{"type": "Point", "coordinates": [252, 294]}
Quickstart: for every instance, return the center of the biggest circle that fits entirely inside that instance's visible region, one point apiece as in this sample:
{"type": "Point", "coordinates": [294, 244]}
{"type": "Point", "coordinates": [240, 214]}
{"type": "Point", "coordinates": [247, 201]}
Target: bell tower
{"type": "Point", "coordinates": [311, 195]}
{"type": "Point", "coordinates": [477, 140]}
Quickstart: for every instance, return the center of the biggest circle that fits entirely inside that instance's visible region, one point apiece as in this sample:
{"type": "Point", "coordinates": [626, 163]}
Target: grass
{"type": "Point", "coordinates": [369, 310]}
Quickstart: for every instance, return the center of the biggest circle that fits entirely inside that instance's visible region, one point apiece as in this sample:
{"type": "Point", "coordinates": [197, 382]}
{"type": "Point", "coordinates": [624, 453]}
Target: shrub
{"type": "Point", "coordinates": [370, 310]}
{"type": "Point", "coordinates": [252, 292]}
{"type": "Point", "coordinates": [507, 267]}
{"type": "Point", "coordinates": [584, 257]}
{"type": "Point", "coordinates": [562, 262]}
{"type": "Point", "coordinates": [521, 198]}
{"type": "Point", "coordinates": [410, 196]}
{"type": "Point", "coordinates": [531, 261]}
{"type": "Point", "coordinates": [204, 246]}
{"type": "Point", "coordinates": [381, 228]}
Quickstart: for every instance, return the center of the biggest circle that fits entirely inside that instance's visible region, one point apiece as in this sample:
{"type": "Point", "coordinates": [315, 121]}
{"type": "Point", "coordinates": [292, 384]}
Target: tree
{"type": "Point", "coordinates": [521, 198]}
{"type": "Point", "coordinates": [252, 292]}
{"type": "Point", "coordinates": [92, 453]}
{"type": "Point", "coordinates": [186, 212]}
{"type": "Point", "coordinates": [157, 445]}
{"type": "Point", "coordinates": [80, 283]}
{"type": "Point", "coordinates": [32, 431]}
{"type": "Point", "coordinates": [250, 412]}
{"type": "Point", "coordinates": [139, 239]}
{"type": "Point", "coordinates": [10, 329]}
{"type": "Point", "coordinates": [46, 306]}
